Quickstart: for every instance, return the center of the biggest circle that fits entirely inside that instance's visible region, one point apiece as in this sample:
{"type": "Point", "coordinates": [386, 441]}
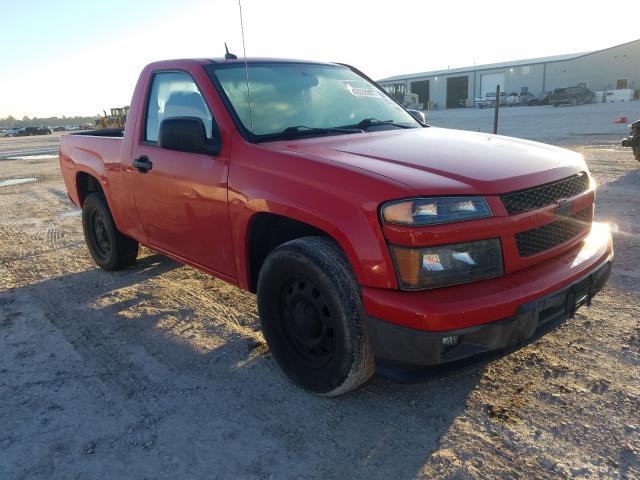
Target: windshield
{"type": "Point", "coordinates": [289, 95]}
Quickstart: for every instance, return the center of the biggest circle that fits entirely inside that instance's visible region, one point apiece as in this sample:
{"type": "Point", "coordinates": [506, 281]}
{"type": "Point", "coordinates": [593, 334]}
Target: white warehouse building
{"type": "Point", "coordinates": [614, 68]}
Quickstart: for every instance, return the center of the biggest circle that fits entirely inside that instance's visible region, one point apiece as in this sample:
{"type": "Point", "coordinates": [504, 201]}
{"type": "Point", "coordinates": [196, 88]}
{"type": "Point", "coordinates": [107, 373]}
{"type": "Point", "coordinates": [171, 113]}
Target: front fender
{"type": "Point", "coordinates": [340, 200]}
{"type": "Point", "coordinates": [360, 239]}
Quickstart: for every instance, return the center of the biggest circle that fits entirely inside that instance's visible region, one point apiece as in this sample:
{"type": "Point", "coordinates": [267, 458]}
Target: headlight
{"type": "Point", "coordinates": [433, 210]}
{"type": "Point", "coordinates": [431, 267]}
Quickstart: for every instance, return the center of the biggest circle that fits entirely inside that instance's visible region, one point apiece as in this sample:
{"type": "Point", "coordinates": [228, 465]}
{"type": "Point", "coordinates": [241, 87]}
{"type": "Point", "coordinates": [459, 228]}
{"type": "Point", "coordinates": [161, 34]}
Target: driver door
{"type": "Point", "coordinates": [181, 200]}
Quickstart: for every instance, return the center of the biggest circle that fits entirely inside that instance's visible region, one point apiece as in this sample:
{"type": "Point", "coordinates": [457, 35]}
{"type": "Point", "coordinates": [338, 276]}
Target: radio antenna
{"type": "Point", "coordinates": [228, 56]}
{"type": "Point", "coordinates": [246, 66]}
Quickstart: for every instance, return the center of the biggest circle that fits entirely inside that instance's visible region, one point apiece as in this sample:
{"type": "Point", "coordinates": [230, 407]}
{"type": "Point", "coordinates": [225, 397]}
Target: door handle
{"type": "Point", "coordinates": [142, 163]}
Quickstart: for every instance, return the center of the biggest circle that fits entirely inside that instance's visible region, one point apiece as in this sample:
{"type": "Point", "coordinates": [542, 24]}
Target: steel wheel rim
{"type": "Point", "coordinates": [100, 234]}
{"type": "Point", "coordinates": [308, 326]}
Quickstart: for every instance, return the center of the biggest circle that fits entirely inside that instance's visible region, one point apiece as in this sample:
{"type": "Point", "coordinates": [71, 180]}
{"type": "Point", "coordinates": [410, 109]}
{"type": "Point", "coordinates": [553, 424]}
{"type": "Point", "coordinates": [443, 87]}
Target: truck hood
{"type": "Point", "coordinates": [445, 161]}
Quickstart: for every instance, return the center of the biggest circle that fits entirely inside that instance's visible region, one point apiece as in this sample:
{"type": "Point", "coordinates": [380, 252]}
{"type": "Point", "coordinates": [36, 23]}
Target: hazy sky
{"type": "Point", "coordinates": [80, 57]}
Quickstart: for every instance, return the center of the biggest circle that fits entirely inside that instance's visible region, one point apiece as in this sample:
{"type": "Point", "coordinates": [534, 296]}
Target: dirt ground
{"type": "Point", "coordinates": [160, 371]}
{"type": "Point", "coordinates": [565, 125]}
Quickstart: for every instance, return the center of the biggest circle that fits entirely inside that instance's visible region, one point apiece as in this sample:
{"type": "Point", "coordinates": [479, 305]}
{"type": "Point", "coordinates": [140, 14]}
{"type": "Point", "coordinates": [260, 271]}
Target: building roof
{"type": "Point", "coordinates": [488, 66]}
{"type": "Point", "coordinates": [515, 63]}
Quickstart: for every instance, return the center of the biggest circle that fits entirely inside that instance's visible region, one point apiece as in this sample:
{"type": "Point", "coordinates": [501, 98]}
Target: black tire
{"type": "Point", "coordinates": [109, 248]}
{"type": "Point", "coordinates": [312, 316]}
{"type": "Point", "coordinates": [636, 152]}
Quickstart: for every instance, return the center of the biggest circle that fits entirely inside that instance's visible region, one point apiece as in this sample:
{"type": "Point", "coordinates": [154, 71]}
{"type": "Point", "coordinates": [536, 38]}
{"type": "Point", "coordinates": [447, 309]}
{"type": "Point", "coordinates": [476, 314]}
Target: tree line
{"type": "Point", "coordinates": [12, 122]}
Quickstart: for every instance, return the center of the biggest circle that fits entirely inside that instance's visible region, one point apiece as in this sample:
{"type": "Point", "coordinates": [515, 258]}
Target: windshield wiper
{"type": "Point", "coordinates": [303, 129]}
{"type": "Point", "coordinates": [369, 122]}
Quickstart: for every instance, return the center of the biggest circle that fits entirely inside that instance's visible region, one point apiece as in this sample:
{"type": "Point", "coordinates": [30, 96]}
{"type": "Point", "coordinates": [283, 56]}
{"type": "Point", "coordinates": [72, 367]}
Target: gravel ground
{"type": "Point", "coordinates": [20, 146]}
{"type": "Point", "coordinates": [161, 371]}
{"type": "Point", "coordinates": [565, 125]}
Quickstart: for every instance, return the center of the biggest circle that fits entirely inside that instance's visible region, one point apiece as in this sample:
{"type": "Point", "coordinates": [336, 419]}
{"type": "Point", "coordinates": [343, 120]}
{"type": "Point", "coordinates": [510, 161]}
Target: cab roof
{"type": "Point", "coordinates": [242, 60]}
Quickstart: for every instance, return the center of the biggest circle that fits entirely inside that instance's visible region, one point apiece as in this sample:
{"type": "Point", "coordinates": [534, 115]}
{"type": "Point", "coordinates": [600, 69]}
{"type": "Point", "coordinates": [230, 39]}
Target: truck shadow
{"type": "Point", "coordinates": [205, 392]}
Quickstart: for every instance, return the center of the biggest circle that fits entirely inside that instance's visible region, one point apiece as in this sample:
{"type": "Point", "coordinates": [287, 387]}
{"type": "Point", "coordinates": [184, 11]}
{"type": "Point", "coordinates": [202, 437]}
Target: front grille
{"type": "Point", "coordinates": [552, 234]}
{"type": "Point", "coordinates": [543, 195]}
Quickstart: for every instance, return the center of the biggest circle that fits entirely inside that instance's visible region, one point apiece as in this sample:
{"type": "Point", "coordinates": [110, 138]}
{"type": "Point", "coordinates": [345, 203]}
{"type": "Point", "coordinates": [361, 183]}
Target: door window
{"type": "Point", "coordinates": [175, 94]}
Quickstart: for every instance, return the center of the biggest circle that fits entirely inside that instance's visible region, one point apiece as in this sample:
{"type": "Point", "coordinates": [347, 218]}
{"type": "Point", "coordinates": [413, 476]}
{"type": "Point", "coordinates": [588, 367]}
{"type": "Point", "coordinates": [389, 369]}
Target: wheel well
{"type": "Point", "coordinates": [266, 232]}
{"type": "Point", "coordinates": [87, 184]}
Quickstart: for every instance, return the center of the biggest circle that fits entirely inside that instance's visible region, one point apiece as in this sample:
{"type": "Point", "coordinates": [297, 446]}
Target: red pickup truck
{"type": "Point", "coordinates": [370, 238]}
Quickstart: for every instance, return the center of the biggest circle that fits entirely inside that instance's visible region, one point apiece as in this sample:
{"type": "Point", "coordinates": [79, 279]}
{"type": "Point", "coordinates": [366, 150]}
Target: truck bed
{"type": "Point", "coordinates": [106, 132]}
{"type": "Point", "coordinates": [96, 152]}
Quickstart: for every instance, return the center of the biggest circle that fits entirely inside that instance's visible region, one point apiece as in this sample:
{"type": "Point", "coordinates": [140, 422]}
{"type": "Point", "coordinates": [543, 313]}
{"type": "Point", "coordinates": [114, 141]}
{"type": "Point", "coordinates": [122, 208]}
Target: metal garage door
{"type": "Point", "coordinates": [488, 82]}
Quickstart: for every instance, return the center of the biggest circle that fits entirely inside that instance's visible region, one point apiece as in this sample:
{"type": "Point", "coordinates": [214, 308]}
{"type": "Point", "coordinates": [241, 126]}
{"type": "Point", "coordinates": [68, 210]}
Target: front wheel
{"type": "Point", "coordinates": [312, 316]}
{"type": "Point", "coordinates": [109, 248]}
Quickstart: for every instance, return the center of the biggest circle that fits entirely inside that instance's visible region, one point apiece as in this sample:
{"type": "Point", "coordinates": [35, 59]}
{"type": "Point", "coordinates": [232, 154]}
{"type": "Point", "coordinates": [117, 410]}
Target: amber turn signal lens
{"type": "Point", "coordinates": [408, 265]}
{"type": "Point", "coordinates": [399, 213]}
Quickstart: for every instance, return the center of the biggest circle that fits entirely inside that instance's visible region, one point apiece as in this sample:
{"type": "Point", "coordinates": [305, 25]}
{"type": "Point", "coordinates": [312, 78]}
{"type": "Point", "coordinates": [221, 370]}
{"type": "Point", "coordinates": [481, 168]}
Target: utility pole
{"type": "Point", "coordinates": [497, 110]}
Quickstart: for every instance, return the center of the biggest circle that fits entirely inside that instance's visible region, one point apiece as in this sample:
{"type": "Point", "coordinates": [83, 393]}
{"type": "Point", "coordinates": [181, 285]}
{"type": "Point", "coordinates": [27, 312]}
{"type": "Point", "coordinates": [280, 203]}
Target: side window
{"type": "Point", "coordinates": [175, 94]}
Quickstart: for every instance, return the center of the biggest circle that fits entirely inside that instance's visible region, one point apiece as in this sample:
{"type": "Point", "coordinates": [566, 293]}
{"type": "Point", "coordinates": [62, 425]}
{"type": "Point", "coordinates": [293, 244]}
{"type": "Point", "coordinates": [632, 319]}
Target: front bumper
{"type": "Point", "coordinates": [400, 348]}
{"type": "Point", "coordinates": [402, 352]}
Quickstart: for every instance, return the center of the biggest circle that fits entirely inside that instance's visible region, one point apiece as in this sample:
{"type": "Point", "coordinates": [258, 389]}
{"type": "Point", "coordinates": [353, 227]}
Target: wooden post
{"type": "Point", "coordinates": [497, 110]}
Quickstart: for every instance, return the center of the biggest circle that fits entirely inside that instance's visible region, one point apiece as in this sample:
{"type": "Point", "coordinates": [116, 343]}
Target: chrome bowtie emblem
{"type": "Point", "coordinates": [563, 209]}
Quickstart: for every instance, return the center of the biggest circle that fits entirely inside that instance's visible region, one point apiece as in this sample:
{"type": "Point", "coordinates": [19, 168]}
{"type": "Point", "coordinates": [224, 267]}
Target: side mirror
{"type": "Point", "coordinates": [418, 115]}
{"type": "Point", "coordinates": [186, 134]}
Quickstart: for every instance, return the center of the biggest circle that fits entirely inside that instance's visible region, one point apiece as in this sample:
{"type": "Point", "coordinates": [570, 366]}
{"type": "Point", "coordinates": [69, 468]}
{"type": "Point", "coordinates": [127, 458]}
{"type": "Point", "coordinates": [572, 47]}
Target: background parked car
{"type": "Point", "coordinates": [489, 100]}
{"type": "Point", "coordinates": [29, 131]}
{"type": "Point", "coordinates": [571, 96]}
{"type": "Point", "coordinates": [482, 102]}
{"type": "Point", "coordinates": [6, 133]}
{"type": "Point", "coordinates": [525, 97]}
{"type": "Point", "coordinates": [512, 99]}
{"type": "Point", "coordinates": [539, 100]}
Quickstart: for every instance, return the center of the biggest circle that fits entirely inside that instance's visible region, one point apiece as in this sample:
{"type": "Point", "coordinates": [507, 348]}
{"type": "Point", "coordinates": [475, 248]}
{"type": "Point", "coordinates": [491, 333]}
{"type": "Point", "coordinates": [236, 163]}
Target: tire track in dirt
{"type": "Point", "coordinates": [86, 330]}
{"type": "Point", "coordinates": [55, 237]}
{"type": "Point", "coordinates": [231, 317]}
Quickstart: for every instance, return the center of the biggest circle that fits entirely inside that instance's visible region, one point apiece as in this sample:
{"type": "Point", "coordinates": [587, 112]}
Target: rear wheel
{"type": "Point", "coordinates": [109, 248]}
{"type": "Point", "coordinates": [312, 316]}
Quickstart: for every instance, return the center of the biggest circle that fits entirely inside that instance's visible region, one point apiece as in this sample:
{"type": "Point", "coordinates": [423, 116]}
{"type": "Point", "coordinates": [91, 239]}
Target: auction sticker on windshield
{"type": "Point", "coordinates": [361, 91]}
